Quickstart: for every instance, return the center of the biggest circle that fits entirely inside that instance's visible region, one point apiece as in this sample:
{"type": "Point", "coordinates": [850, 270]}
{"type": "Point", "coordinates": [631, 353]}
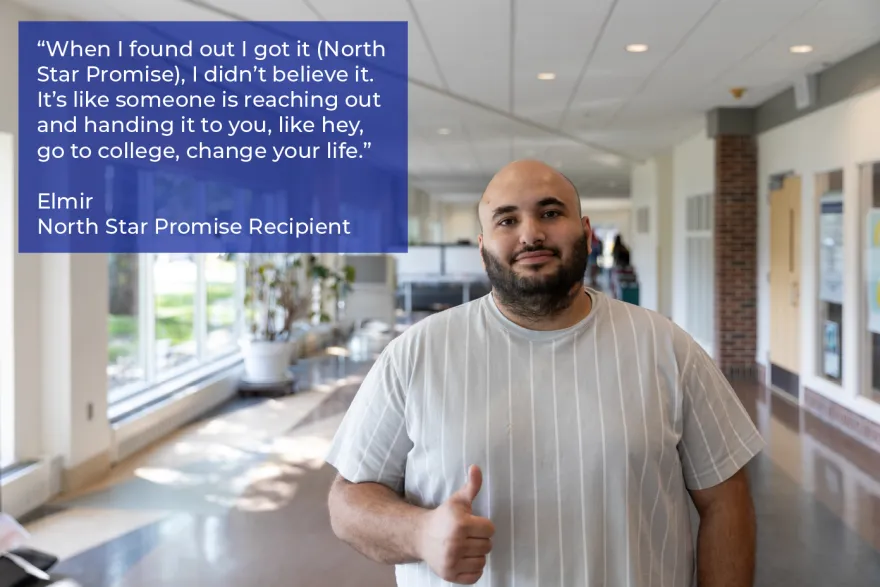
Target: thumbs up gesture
{"type": "Point", "coordinates": [454, 542]}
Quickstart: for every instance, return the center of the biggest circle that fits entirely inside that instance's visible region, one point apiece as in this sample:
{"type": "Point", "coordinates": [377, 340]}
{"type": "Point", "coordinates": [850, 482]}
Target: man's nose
{"type": "Point", "coordinates": [531, 232]}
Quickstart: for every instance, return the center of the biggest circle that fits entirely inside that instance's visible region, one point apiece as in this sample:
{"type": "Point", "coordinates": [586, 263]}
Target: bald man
{"type": "Point", "coordinates": [545, 434]}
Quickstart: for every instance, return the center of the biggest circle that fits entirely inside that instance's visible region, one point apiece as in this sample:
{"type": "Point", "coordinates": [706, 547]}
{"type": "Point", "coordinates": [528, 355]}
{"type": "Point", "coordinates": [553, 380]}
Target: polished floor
{"type": "Point", "coordinates": [239, 498]}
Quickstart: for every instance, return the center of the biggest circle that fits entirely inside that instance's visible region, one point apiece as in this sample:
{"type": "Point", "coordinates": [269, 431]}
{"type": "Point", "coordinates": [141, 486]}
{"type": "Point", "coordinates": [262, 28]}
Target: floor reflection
{"type": "Point", "coordinates": [828, 464]}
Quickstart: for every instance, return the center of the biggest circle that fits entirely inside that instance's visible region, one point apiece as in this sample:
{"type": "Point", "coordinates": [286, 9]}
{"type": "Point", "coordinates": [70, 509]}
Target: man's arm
{"type": "Point", "coordinates": [718, 439]}
{"type": "Point", "coordinates": [726, 540]}
{"type": "Point", "coordinates": [375, 521]}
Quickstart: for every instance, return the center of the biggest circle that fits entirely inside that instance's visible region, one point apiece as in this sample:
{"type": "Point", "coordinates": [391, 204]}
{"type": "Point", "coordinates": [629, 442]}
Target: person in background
{"type": "Point", "coordinates": [545, 434]}
{"type": "Point", "coordinates": [620, 253]}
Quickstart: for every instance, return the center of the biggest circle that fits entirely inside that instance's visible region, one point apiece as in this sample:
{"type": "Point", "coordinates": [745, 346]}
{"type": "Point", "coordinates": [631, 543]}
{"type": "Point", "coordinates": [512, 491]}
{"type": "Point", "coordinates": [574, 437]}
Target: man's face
{"type": "Point", "coordinates": [534, 243]}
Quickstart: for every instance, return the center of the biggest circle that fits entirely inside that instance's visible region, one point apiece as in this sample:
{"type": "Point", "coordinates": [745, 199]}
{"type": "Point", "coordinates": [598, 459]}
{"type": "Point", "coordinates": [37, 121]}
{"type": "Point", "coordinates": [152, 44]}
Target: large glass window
{"type": "Point", "coordinates": [175, 289]}
{"type": "Point", "coordinates": [125, 360]}
{"type": "Point", "coordinates": [870, 357]}
{"type": "Point", "coordinates": [829, 192]}
{"type": "Point", "coordinates": [221, 278]}
{"type": "Point", "coordinates": [169, 314]}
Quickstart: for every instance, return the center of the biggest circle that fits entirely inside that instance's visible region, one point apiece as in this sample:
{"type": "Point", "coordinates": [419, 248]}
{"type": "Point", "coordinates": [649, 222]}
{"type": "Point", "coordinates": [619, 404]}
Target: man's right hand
{"type": "Point", "coordinates": [453, 541]}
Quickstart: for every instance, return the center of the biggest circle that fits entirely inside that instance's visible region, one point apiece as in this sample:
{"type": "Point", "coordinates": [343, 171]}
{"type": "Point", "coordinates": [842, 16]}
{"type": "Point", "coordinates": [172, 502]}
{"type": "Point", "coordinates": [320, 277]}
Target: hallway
{"type": "Point", "coordinates": [239, 498]}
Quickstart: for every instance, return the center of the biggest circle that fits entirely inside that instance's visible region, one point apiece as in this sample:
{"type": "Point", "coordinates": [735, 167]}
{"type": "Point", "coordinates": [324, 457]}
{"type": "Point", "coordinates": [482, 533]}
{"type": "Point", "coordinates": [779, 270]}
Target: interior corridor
{"type": "Point", "coordinates": [239, 498]}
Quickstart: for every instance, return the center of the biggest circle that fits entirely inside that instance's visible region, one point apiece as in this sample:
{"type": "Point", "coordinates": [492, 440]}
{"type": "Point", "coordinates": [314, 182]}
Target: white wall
{"type": "Point", "coordinates": [663, 183]}
{"type": "Point", "coordinates": [460, 221]}
{"type": "Point", "coordinates": [693, 173]}
{"type": "Point", "coordinates": [663, 227]}
{"type": "Point", "coordinates": [653, 187]}
{"type": "Point", "coordinates": [26, 320]}
{"type": "Point", "coordinates": [838, 137]}
{"type": "Point", "coordinates": [645, 194]}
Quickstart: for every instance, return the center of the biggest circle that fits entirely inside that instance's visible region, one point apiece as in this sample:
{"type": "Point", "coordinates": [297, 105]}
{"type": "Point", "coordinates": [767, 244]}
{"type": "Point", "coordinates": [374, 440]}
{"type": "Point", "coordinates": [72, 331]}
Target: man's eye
{"type": "Point", "coordinates": [553, 212]}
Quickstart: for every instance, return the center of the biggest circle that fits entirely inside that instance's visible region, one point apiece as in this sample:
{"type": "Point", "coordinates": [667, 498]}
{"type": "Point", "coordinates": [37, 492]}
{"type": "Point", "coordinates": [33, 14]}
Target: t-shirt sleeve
{"type": "Point", "coordinates": [718, 436]}
{"type": "Point", "coordinates": [371, 444]}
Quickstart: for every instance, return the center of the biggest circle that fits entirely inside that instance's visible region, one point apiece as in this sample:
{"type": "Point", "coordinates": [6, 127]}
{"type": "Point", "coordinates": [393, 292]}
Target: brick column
{"type": "Point", "coordinates": [736, 253]}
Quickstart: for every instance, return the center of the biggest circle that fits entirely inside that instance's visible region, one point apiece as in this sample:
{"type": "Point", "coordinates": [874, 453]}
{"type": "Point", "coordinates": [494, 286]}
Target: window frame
{"type": "Point", "coordinates": [867, 175]}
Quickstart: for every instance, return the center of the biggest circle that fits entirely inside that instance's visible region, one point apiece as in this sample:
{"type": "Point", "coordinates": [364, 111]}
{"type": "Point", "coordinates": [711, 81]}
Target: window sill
{"type": "Point", "coordinates": [149, 398]}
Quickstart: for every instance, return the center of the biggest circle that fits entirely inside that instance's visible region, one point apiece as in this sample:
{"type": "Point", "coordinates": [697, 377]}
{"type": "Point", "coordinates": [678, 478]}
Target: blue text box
{"type": "Point", "coordinates": [213, 137]}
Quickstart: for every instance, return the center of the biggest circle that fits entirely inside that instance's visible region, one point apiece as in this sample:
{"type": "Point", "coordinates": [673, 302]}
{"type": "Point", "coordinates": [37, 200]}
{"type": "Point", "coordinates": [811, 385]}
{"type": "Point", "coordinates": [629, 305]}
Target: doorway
{"type": "Point", "coordinates": [785, 280]}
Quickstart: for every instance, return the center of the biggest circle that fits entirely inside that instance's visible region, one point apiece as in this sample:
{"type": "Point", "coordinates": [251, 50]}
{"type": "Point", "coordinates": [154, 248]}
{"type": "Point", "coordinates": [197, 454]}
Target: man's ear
{"type": "Point", "coordinates": [480, 247]}
{"type": "Point", "coordinates": [588, 231]}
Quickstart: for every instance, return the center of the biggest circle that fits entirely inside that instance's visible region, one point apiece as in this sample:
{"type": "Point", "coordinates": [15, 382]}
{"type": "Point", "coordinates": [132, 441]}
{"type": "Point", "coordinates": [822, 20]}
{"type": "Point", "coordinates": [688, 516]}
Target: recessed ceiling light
{"type": "Point", "coordinates": [801, 49]}
{"type": "Point", "coordinates": [444, 131]}
{"type": "Point", "coordinates": [608, 159]}
{"type": "Point", "coordinates": [637, 48]}
{"type": "Point", "coordinates": [547, 76]}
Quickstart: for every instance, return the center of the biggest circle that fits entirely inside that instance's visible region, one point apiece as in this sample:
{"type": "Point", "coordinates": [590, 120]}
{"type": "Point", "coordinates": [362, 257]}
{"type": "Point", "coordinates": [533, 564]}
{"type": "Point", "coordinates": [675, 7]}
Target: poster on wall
{"type": "Point", "coordinates": [831, 248]}
{"type": "Point", "coordinates": [832, 349]}
{"type": "Point", "coordinates": [872, 262]}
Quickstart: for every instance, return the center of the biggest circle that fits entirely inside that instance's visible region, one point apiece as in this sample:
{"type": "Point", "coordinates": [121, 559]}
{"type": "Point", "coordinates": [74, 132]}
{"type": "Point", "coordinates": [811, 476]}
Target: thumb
{"type": "Point", "coordinates": [471, 488]}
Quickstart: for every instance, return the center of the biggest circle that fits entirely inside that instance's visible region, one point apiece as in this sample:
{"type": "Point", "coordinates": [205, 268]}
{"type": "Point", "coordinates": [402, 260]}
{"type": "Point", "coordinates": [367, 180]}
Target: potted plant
{"type": "Point", "coordinates": [273, 303]}
{"type": "Point", "coordinates": [335, 282]}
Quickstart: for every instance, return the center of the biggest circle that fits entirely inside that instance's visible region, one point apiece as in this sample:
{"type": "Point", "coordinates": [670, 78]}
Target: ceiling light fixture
{"type": "Point", "coordinates": [546, 76]}
{"type": "Point", "coordinates": [444, 131]}
{"type": "Point", "coordinates": [801, 49]}
{"type": "Point", "coordinates": [637, 48]}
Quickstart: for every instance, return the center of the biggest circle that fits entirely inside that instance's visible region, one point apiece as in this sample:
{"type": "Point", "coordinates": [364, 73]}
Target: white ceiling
{"type": "Point", "coordinates": [474, 65]}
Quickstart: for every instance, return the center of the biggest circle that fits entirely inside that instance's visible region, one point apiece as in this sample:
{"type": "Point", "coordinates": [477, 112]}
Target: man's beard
{"type": "Point", "coordinates": [538, 296]}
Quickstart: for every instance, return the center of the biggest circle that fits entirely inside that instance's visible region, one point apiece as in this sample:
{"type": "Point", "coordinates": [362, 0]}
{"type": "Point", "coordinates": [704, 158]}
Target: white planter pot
{"type": "Point", "coordinates": [266, 361]}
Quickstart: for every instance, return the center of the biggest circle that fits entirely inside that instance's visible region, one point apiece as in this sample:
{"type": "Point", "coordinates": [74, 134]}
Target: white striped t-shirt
{"type": "Point", "coordinates": [588, 439]}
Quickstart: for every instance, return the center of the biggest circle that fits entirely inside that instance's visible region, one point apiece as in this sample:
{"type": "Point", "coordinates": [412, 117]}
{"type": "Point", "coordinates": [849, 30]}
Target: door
{"type": "Point", "coordinates": [785, 275]}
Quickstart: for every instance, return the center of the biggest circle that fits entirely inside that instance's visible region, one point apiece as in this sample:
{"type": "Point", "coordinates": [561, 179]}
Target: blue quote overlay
{"type": "Point", "coordinates": [189, 137]}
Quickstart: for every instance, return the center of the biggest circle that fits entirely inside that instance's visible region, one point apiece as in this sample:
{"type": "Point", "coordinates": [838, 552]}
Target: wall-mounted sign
{"type": "Point", "coordinates": [831, 349]}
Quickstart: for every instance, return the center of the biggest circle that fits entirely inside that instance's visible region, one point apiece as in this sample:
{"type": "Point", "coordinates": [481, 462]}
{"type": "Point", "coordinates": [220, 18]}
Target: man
{"type": "Point", "coordinates": [545, 434]}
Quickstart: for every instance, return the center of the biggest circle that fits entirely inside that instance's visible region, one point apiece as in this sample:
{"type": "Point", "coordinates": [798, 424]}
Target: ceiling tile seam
{"type": "Point", "coordinates": [707, 87]}
{"type": "Point", "coordinates": [446, 92]}
{"type": "Point", "coordinates": [428, 45]}
{"type": "Point", "coordinates": [218, 10]}
{"type": "Point", "coordinates": [589, 59]}
{"type": "Point", "coordinates": [511, 59]}
{"type": "Point", "coordinates": [205, 5]}
{"type": "Point", "coordinates": [511, 73]}
{"type": "Point", "coordinates": [314, 10]}
{"type": "Point", "coordinates": [524, 121]}
{"type": "Point", "coordinates": [678, 47]}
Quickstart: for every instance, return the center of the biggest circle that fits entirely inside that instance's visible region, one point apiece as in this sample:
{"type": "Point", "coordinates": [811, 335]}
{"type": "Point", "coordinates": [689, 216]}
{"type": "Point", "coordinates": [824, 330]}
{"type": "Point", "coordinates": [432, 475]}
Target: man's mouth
{"type": "Point", "coordinates": [532, 257]}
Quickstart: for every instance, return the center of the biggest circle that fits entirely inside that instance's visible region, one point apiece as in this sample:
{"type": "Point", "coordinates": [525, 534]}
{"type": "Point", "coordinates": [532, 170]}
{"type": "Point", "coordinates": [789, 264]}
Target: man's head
{"type": "Point", "coordinates": [534, 241]}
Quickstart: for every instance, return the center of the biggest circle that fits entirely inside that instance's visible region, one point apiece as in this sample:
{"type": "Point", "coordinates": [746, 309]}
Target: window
{"type": "Point", "coordinates": [175, 290]}
{"type": "Point", "coordinates": [169, 314]}
{"type": "Point", "coordinates": [700, 253]}
{"type": "Point", "coordinates": [869, 186]}
{"type": "Point", "coordinates": [125, 361]}
{"type": "Point", "coordinates": [221, 278]}
{"type": "Point", "coordinates": [829, 190]}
